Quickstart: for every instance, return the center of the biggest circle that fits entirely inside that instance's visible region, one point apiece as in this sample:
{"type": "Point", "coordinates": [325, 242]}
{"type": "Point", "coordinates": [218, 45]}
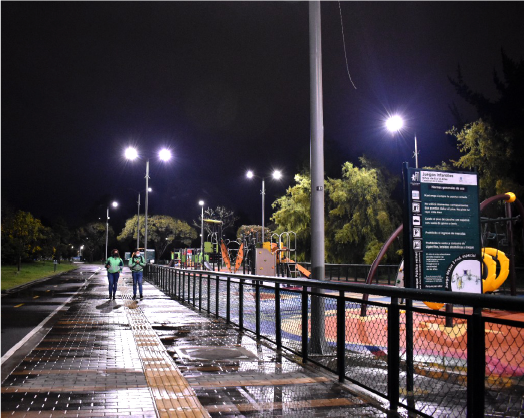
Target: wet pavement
{"type": "Point", "coordinates": [159, 358]}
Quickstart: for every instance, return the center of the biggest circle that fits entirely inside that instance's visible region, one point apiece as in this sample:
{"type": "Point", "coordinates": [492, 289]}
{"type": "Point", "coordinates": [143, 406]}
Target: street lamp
{"type": "Point", "coordinates": [201, 203]}
{"type": "Point", "coordinates": [277, 175]}
{"type": "Point", "coordinates": [394, 124]}
{"type": "Point", "coordinates": [138, 218]}
{"type": "Point", "coordinates": [132, 154]}
{"type": "Point", "coordinates": [114, 204]}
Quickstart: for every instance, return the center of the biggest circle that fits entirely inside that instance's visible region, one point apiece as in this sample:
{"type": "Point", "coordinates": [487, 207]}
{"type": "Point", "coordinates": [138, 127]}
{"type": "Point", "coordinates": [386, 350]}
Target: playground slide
{"type": "Point", "coordinates": [301, 269]}
{"type": "Point", "coordinates": [208, 266]}
{"type": "Point", "coordinates": [240, 257]}
{"type": "Point", "coordinates": [225, 255]}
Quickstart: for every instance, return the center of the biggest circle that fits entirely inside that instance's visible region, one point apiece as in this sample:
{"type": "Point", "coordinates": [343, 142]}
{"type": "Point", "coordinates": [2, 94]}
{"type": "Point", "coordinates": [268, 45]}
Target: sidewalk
{"type": "Point", "coordinates": [157, 357]}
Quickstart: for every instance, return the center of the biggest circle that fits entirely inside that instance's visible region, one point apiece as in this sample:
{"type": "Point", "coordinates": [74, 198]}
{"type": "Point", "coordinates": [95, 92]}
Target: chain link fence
{"type": "Point", "coordinates": [465, 361]}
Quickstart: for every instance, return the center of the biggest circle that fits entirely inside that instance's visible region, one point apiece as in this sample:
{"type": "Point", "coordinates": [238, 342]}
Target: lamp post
{"type": "Point", "coordinates": [276, 175]}
{"type": "Point", "coordinates": [395, 124]}
{"type": "Point", "coordinates": [132, 154]}
{"type": "Point", "coordinates": [201, 203]}
{"type": "Point", "coordinates": [138, 218]}
{"type": "Point", "coordinates": [138, 224]}
{"type": "Point", "coordinates": [114, 204]}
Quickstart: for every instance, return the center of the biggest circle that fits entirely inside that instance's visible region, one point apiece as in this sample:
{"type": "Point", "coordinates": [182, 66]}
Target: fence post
{"type": "Point", "coordinates": [193, 281]}
{"type": "Point", "coordinates": [341, 336]}
{"type": "Point", "coordinates": [200, 292]}
{"type": "Point", "coordinates": [278, 317]}
{"type": "Point", "coordinates": [217, 295]}
{"type": "Point", "coordinates": [257, 308]}
{"type": "Point", "coordinates": [228, 300]}
{"type": "Point", "coordinates": [476, 362]}
{"type": "Point", "coordinates": [393, 354]}
{"type": "Point", "coordinates": [241, 304]}
{"type": "Point", "coordinates": [209, 293]}
{"type": "Point", "coordinates": [305, 323]}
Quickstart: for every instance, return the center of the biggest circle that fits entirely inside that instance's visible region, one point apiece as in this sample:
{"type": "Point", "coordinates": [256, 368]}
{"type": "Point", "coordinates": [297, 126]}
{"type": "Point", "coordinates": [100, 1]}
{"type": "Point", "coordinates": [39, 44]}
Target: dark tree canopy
{"type": "Point", "coordinates": [496, 140]}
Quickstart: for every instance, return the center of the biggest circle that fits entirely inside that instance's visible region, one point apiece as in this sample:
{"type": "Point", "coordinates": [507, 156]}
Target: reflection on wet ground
{"type": "Point", "coordinates": [234, 375]}
{"type": "Point", "coordinates": [157, 357]}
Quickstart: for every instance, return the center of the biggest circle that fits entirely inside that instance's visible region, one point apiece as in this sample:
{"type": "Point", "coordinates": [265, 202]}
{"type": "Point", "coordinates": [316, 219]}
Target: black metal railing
{"type": "Point", "coordinates": [467, 362]}
{"type": "Point", "coordinates": [358, 273]}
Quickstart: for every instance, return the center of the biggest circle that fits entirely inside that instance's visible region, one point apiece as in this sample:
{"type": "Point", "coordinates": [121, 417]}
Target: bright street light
{"type": "Point", "coordinates": [114, 204]}
{"type": "Point", "coordinates": [394, 124]}
{"type": "Point", "coordinates": [277, 175]}
{"type": "Point", "coordinates": [132, 154]}
{"type": "Point", "coordinates": [164, 154]}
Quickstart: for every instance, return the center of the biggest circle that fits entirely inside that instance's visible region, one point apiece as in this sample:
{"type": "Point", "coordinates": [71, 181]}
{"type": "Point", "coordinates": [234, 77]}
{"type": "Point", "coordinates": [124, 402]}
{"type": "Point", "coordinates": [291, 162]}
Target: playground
{"type": "Point", "coordinates": [436, 334]}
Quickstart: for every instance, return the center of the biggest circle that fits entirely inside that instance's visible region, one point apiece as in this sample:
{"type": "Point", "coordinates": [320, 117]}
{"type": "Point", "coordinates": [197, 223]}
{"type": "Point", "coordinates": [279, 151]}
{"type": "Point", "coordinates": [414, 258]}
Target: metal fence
{"type": "Point", "coordinates": [386, 273]}
{"type": "Point", "coordinates": [467, 362]}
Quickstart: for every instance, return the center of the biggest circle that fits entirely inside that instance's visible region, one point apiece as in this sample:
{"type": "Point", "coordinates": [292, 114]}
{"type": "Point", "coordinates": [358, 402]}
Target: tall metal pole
{"type": "Point", "coordinates": [107, 230]}
{"type": "Point", "coordinates": [317, 177]}
{"type": "Point", "coordinates": [147, 193]}
{"type": "Point", "coordinates": [202, 235]}
{"type": "Point", "coordinates": [138, 224]}
{"type": "Point", "coordinates": [317, 144]}
{"type": "Point", "coordinates": [263, 194]}
{"type": "Point", "coordinates": [416, 152]}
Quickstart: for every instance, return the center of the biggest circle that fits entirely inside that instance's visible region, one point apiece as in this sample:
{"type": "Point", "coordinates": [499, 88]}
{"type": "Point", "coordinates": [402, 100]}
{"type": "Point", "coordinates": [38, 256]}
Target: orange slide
{"type": "Point", "coordinates": [301, 269]}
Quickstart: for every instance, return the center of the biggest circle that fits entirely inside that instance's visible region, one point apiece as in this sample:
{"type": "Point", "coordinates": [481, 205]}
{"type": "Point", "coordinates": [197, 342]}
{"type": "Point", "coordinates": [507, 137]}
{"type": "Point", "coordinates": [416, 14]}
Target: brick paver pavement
{"type": "Point", "coordinates": [159, 358]}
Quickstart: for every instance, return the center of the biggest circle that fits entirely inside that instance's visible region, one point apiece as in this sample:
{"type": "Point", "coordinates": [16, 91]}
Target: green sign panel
{"type": "Point", "coordinates": [443, 226]}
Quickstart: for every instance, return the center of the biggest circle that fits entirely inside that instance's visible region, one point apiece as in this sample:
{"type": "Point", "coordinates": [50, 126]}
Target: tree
{"type": "Point", "coordinates": [93, 237]}
{"type": "Point", "coordinates": [292, 213]}
{"type": "Point", "coordinates": [21, 236]}
{"type": "Point", "coordinates": [493, 144]}
{"type": "Point", "coordinates": [58, 240]}
{"type": "Point", "coordinates": [162, 231]}
{"type": "Point", "coordinates": [507, 111]}
{"type": "Point", "coordinates": [256, 230]}
{"type": "Point", "coordinates": [360, 213]}
{"type": "Point", "coordinates": [221, 213]}
{"type": "Point", "coordinates": [491, 153]}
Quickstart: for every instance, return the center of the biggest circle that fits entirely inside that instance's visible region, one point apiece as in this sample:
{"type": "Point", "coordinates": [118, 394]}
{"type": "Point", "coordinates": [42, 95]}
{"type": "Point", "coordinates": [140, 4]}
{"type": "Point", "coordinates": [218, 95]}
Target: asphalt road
{"type": "Point", "coordinates": [25, 309]}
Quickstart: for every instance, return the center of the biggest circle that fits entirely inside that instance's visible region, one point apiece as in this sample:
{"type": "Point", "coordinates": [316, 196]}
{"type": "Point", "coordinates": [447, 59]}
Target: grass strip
{"type": "Point", "coordinates": [29, 272]}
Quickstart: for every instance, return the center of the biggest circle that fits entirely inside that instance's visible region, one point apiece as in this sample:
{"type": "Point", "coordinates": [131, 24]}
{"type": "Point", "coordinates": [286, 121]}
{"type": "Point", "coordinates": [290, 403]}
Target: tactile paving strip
{"type": "Point", "coordinates": [171, 392]}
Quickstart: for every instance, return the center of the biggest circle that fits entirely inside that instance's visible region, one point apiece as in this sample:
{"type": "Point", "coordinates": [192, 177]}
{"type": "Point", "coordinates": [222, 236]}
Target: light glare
{"type": "Point", "coordinates": [164, 154]}
{"type": "Point", "coordinates": [131, 153]}
{"type": "Point", "coordinates": [201, 202]}
{"type": "Point", "coordinates": [394, 123]}
{"type": "Point", "coordinates": [277, 175]}
{"type": "Point", "coordinates": [250, 174]}
{"type": "Point", "coordinates": [114, 204]}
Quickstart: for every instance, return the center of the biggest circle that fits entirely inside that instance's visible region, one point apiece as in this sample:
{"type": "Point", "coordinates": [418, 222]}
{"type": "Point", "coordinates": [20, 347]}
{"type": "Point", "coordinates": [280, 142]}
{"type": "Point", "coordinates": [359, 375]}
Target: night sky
{"type": "Point", "coordinates": [225, 85]}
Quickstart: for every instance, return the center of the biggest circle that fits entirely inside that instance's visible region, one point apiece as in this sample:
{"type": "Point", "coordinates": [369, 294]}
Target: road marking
{"type": "Point", "coordinates": [41, 324]}
{"type": "Point", "coordinates": [17, 306]}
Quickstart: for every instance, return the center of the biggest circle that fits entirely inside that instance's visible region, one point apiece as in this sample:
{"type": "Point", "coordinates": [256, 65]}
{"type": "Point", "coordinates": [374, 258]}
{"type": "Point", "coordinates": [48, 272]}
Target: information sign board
{"type": "Point", "coordinates": [443, 226]}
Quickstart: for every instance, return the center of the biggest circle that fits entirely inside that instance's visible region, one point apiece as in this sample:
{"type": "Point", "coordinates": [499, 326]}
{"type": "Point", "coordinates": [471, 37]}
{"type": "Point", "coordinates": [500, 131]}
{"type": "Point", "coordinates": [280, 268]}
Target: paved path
{"type": "Point", "coordinates": [159, 358]}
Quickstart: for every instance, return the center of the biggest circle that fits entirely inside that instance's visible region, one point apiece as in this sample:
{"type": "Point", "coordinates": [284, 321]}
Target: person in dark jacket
{"type": "Point", "coordinates": [137, 264]}
{"type": "Point", "coordinates": [114, 266]}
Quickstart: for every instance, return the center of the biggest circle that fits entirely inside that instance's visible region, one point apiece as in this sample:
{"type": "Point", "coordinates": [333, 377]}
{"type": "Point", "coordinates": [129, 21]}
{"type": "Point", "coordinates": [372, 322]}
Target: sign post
{"type": "Point", "coordinates": [443, 230]}
{"type": "Point", "coordinates": [442, 249]}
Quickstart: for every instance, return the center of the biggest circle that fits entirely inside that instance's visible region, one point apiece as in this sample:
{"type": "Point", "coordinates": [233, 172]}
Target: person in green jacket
{"type": "Point", "coordinates": [137, 264]}
{"type": "Point", "coordinates": [114, 266]}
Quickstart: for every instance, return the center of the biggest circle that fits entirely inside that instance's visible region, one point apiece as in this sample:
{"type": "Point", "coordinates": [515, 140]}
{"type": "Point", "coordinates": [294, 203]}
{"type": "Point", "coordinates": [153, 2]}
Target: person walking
{"type": "Point", "coordinates": [114, 266]}
{"type": "Point", "coordinates": [137, 264]}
